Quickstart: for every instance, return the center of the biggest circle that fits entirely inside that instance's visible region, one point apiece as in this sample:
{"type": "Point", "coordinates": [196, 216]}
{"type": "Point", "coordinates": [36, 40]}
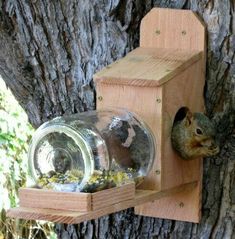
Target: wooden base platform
{"type": "Point", "coordinates": [72, 217]}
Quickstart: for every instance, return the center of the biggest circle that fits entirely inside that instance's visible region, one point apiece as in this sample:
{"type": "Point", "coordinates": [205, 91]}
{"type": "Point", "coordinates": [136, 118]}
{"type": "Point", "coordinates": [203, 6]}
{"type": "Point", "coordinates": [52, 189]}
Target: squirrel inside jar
{"type": "Point", "coordinates": [193, 135]}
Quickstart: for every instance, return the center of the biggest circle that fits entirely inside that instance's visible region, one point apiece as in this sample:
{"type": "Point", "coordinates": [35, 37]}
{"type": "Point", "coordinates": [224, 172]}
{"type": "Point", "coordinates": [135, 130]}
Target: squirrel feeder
{"type": "Point", "coordinates": [165, 73]}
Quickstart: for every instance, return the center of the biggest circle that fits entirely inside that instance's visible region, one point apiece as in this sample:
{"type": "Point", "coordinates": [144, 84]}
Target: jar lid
{"type": "Point", "coordinates": [58, 148]}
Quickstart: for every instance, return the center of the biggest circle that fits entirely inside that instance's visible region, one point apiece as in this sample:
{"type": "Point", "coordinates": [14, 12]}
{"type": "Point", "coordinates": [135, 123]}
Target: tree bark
{"type": "Point", "coordinates": [49, 51]}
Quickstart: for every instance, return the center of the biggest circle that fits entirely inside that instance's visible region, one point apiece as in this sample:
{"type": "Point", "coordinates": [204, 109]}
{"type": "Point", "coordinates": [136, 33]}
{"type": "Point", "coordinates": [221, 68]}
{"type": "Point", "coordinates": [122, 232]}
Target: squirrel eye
{"type": "Point", "coordinates": [198, 131]}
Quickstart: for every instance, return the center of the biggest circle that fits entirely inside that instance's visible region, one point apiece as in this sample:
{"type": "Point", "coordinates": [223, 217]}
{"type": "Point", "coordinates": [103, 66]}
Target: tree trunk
{"type": "Point", "coordinates": [49, 51]}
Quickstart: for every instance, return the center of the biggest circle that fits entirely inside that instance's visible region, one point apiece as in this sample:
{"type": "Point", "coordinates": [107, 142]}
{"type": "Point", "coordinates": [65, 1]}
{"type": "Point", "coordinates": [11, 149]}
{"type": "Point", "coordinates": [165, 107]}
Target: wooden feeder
{"type": "Point", "coordinates": [155, 80]}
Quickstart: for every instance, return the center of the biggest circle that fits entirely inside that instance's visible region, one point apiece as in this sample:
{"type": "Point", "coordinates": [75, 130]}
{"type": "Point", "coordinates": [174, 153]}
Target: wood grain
{"type": "Point", "coordinates": [185, 90]}
{"type": "Point", "coordinates": [74, 201]}
{"type": "Point", "coordinates": [183, 206]}
{"type": "Point", "coordinates": [148, 67]}
{"type": "Point", "coordinates": [70, 217]}
{"type": "Point", "coordinates": [112, 196]}
{"type": "Point", "coordinates": [172, 29]}
{"type": "Point", "coordinates": [41, 198]}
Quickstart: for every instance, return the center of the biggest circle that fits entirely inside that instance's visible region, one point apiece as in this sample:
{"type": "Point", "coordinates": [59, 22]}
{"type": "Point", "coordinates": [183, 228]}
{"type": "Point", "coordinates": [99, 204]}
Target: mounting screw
{"type": "Point", "coordinates": [157, 172]}
{"type": "Point", "coordinates": [181, 204]}
{"type": "Point", "coordinates": [183, 32]}
{"type": "Point", "coordinates": [157, 32]}
{"type": "Point", "coordinates": [100, 98]}
{"type": "Point", "coordinates": [158, 100]}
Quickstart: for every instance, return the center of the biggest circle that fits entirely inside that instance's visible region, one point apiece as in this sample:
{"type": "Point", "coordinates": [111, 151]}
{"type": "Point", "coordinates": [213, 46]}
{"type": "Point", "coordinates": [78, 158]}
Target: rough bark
{"type": "Point", "coordinates": [49, 51]}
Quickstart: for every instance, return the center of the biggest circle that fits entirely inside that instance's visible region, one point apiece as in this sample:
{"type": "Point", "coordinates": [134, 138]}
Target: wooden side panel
{"type": "Point", "coordinates": [172, 28]}
{"type": "Point", "coordinates": [183, 206]}
{"type": "Point", "coordinates": [147, 103]}
{"type": "Point", "coordinates": [184, 90]}
{"type": "Point", "coordinates": [40, 198]}
{"type": "Point", "coordinates": [111, 196]}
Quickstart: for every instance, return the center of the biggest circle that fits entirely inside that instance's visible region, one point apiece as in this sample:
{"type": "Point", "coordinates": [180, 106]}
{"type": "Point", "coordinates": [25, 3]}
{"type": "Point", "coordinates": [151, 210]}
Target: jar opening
{"type": "Point", "coordinates": [60, 156]}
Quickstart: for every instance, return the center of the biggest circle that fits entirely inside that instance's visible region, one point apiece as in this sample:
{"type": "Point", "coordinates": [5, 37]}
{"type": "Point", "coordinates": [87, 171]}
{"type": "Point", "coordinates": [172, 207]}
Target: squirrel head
{"type": "Point", "coordinates": [202, 132]}
{"type": "Point", "coordinates": [193, 135]}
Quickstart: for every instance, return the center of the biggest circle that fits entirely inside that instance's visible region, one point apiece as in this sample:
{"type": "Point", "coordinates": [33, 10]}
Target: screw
{"type": "Point", "coordinates": [159, 100]}
{"type": "Point", "coordinates": [157, 172]}
{"type": "Point", "coordinates": [157, 32]}
{"type": "Point", "coordinates": [181, 204]}
{"type": "Point", "coordinates": [183, 32]}
{"type": "Point", "coordinates": [100, 98]}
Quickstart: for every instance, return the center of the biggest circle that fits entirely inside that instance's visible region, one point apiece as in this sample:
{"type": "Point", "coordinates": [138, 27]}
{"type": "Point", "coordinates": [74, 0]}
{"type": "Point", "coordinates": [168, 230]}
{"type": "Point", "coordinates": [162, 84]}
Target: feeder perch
{"type": "Point", "coordinates": [155, 80]}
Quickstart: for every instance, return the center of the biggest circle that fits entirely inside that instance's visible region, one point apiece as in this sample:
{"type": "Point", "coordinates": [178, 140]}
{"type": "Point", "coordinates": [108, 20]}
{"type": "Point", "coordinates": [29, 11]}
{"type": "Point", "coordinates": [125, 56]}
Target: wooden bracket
{"type": "Point", "coordinates": [165, 73]}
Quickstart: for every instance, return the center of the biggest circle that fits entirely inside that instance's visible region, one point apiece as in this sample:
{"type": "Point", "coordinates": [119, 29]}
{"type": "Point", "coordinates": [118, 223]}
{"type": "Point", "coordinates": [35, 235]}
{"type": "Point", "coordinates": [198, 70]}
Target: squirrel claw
{"type": "Point", "coordinates": [213, 151]}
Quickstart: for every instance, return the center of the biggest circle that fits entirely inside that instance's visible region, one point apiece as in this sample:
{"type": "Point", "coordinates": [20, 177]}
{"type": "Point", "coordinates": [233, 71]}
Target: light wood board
{"type": "Point", "coordinates": [147, 67]}
{"type": "Point", "coordinates": [172, 29]}
{"type": "Point", "coordinates": [112, 196]}
{"type": "Point", "coordinates": [177, 206]}
{"type": "Point", "coordinates": [74, 201]}
{"type": "Point", "coordinates": [185, 90]}
{"type": "Point", "coordinates": [41, 198]}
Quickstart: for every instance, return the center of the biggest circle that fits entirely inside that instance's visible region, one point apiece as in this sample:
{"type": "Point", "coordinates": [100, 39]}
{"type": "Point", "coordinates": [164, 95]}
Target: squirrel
{"type": "Point", "coordinates": [193, 135]}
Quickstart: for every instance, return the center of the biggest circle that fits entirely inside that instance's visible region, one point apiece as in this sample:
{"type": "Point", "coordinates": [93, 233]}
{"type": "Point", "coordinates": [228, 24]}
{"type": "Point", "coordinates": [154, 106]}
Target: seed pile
{"type": "Point", "coordinates": [51, 178]}
{"type": "Point", "coordinates": [98, 181]}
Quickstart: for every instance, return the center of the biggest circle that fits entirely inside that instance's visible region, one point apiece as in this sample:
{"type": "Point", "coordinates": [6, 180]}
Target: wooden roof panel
{"type": "Point", "coordinates": [147, 66]}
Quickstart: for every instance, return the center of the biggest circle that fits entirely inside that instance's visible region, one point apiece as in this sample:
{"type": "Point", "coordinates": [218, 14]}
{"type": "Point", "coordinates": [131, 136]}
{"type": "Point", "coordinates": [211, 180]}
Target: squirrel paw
{"type": "Point", "coordinates": [212, 151]}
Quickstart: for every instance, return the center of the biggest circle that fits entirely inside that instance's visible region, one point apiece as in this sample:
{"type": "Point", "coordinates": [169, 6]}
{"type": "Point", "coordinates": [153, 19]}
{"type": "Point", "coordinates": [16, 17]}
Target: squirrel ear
{"type": "Point", "coordinates": [188, 118]}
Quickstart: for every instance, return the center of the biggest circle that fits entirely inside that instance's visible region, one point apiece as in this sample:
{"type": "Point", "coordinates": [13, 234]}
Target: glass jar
{"type": "Point", "coordinates": [91, 151]}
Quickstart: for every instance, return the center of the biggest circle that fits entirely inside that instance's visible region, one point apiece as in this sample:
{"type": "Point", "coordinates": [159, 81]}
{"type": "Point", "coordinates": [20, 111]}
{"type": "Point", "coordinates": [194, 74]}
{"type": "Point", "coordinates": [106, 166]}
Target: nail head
{"type": "Point", "coordinates": [100, 98]}
{"type": "Point", "coordinates": [158, 172]}
{"type": "Point", "coordinates": [181, 204]}
{"type": "Point", "coordinates": [158, 32]}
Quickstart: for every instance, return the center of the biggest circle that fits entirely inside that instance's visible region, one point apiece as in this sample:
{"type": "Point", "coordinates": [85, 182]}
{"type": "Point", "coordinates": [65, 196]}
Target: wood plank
{"type": "Point", "coordinates": [185, 90]}
{"type": "Point", "coordinates": [183, 206]}
{"type": "Point", "coordinates": [69, 217]}
{"type": "Point", "coordinates": [41, 198]}
{"type": "Point", "coordinates": [172, 29]}
{"type": "Point", "coordinates": [74, 201]}
{"type": "Point", "coordinates": [147, 67]}
{"type": "Point", "coordinates": [112, 196]}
